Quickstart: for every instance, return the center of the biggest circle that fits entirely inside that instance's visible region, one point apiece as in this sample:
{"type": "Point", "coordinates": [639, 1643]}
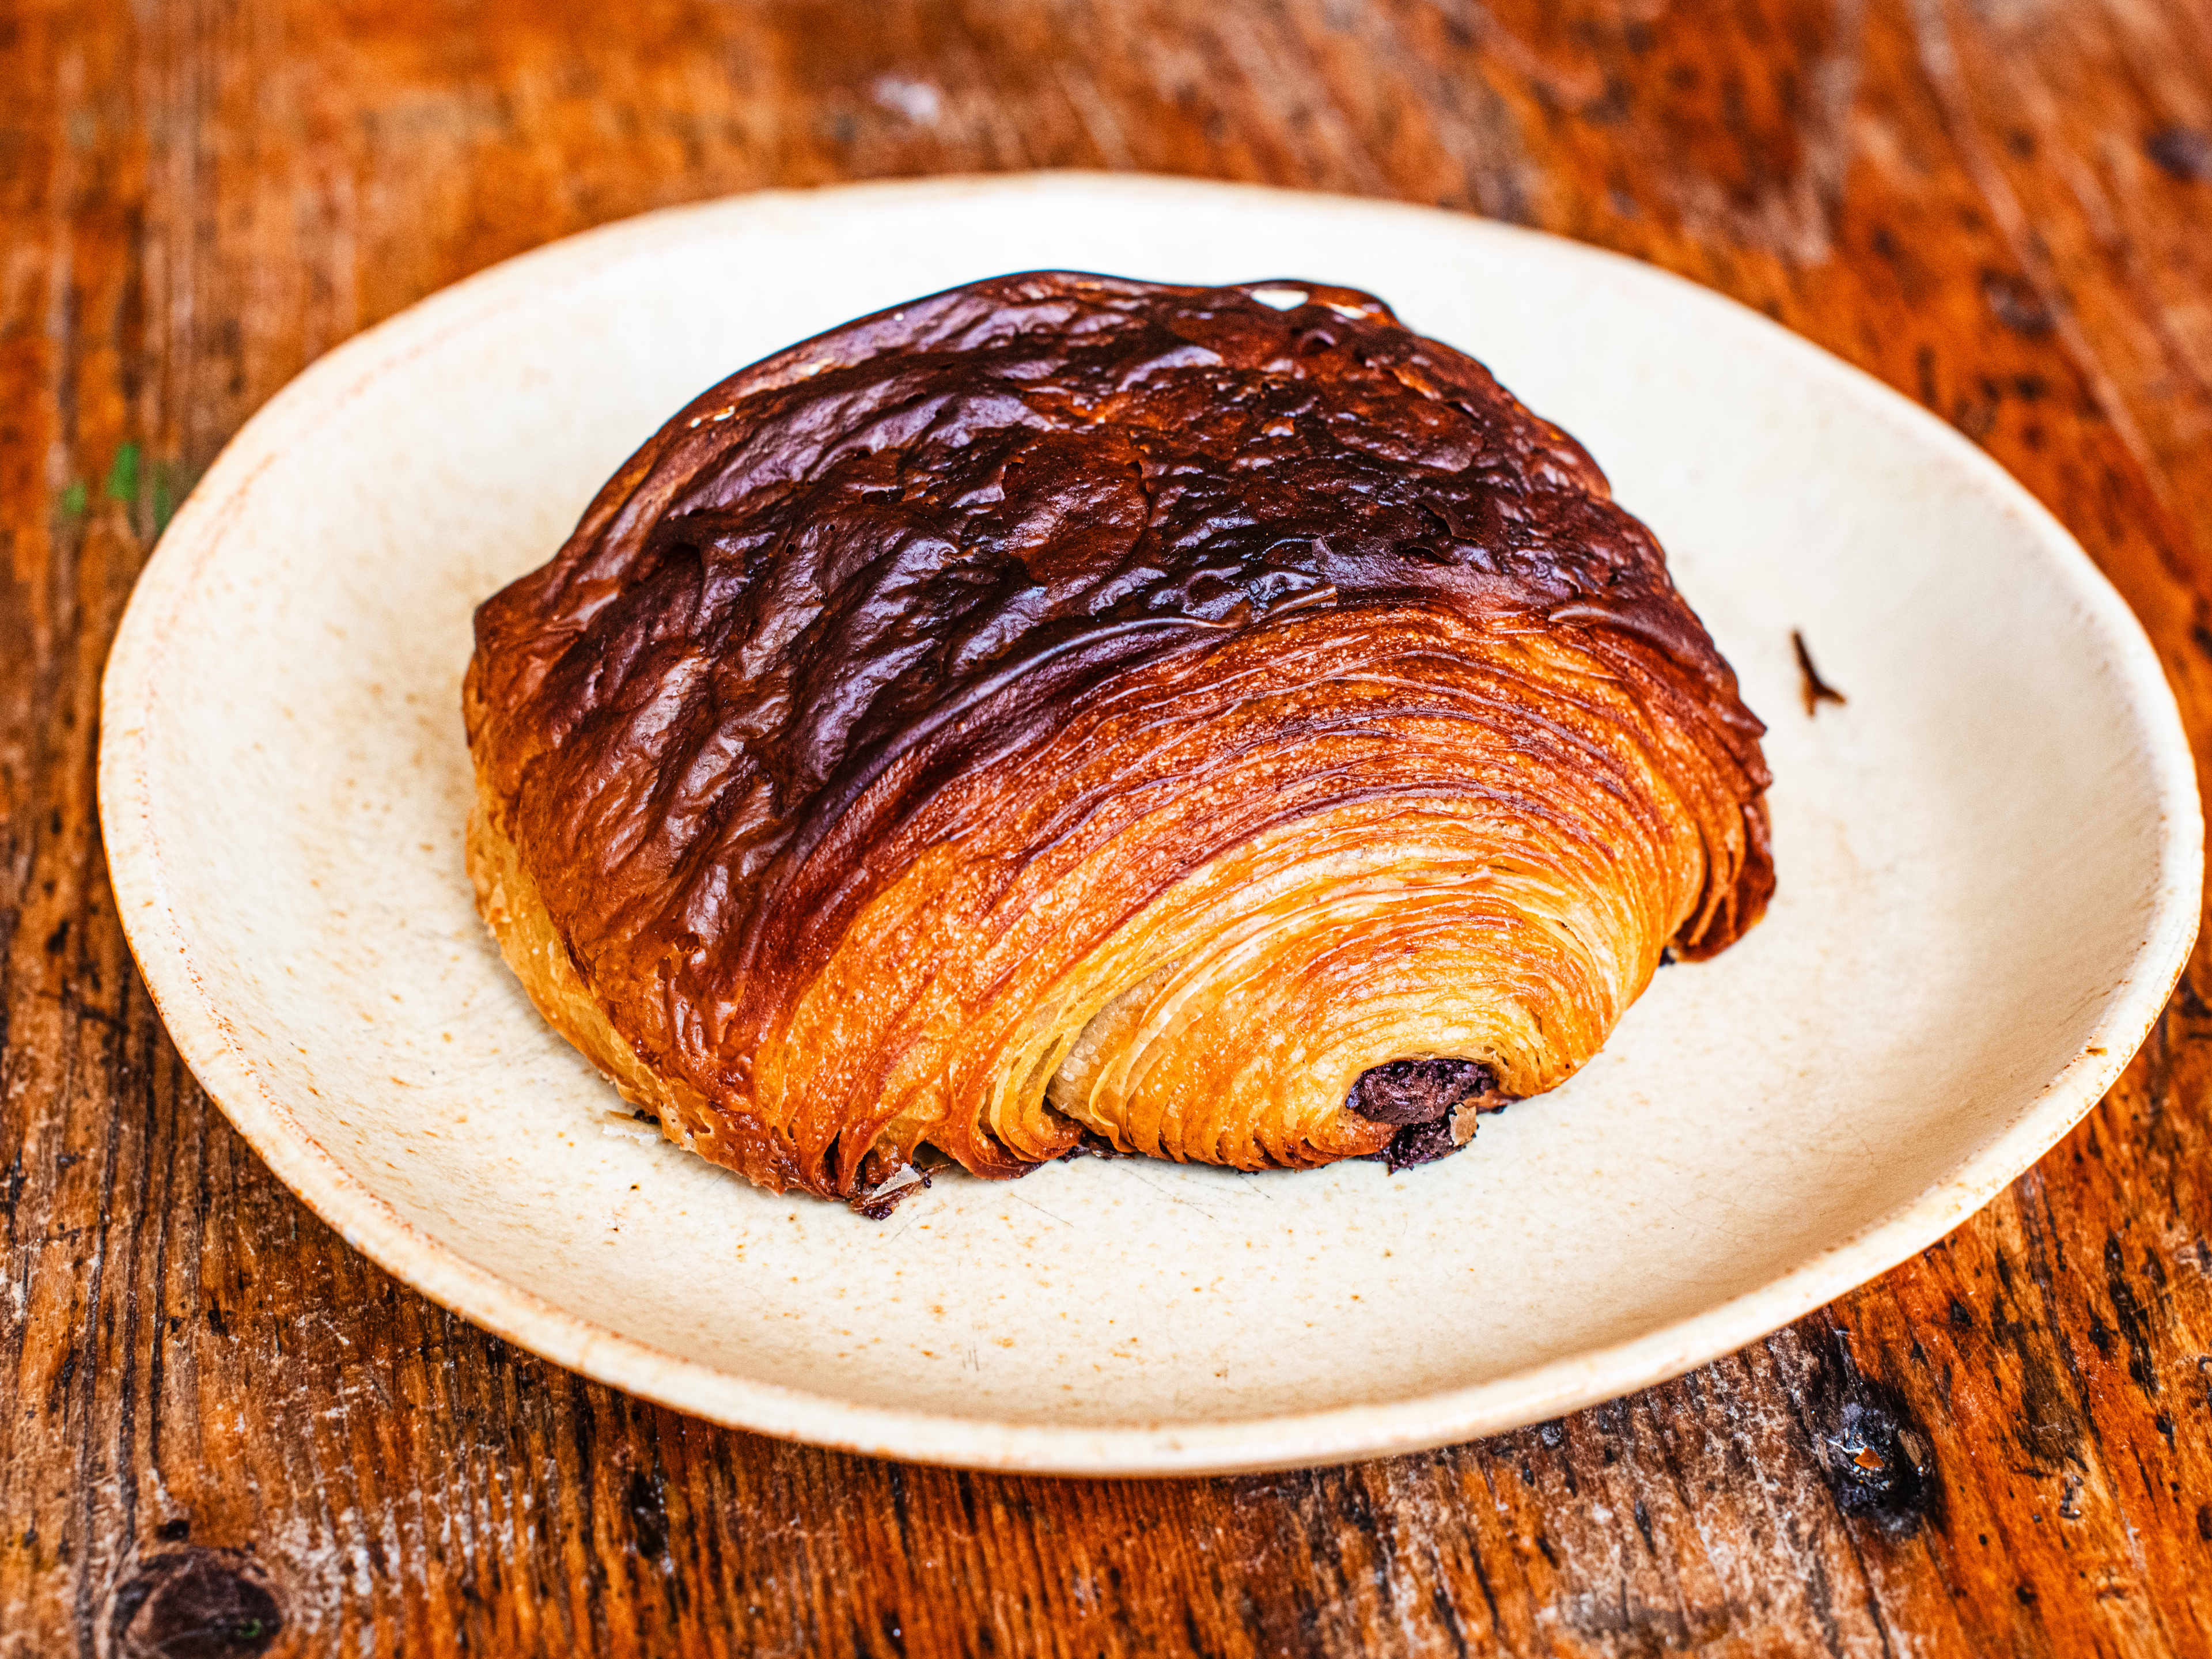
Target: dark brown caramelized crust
{"type": "Point", "coordinates": [1073, 705]}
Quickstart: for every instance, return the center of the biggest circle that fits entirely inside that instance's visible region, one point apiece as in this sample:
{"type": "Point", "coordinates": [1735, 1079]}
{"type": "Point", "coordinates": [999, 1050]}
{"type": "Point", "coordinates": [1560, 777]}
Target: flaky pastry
{"type": "Point", "coordinates": [1217, 724]}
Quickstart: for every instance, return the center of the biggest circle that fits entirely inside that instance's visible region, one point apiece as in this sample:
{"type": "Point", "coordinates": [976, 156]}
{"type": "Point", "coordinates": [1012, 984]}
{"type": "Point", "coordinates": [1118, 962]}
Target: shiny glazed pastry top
{"type": "Point", "coordinates": [1072, 711]}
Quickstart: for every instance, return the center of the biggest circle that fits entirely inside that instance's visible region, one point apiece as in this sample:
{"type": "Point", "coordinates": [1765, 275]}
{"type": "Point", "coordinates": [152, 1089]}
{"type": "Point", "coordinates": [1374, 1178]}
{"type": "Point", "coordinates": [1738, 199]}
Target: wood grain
{"type": "Point", "coordinates": [222, 1433]}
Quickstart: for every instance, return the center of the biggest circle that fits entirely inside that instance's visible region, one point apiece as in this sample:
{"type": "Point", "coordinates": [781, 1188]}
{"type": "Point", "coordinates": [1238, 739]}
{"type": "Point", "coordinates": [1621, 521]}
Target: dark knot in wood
{"type": "Point", "coordinates": [1878, 1461]}
{"type": "Point", "coordinates": [194, 1604]}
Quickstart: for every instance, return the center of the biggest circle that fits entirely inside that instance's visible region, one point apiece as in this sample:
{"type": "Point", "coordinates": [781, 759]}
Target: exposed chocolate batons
{"type": "Point", "coordinates": [1420, 1143]}
{"type": "Point", "coordinates": [1417, 1090]}
{"type": "Point", "coordinates": [1433, 1103]}
{"type": "Point", "coordinates": [1425, 1143]}
{"type": "Point", "coordinates": [884, 1183]}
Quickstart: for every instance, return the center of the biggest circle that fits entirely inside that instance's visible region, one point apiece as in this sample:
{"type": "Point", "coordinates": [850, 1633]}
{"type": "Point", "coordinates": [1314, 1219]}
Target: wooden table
{"type": "Point", "coordinates": [223, 1433]}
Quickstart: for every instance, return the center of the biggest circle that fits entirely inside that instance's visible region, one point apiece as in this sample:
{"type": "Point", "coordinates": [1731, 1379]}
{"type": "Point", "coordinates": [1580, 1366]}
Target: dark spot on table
{"type": "Point", "coordinates": [2184, 152]}
{"type": "Point", "coordinates": [645, 1497]}
{"type": "Point", "coordinates": [2015, 302]}
{"type": "Point", "coordinates": [194, 1604]}
{"type": "Point", "coordinates": [1878, 1461]}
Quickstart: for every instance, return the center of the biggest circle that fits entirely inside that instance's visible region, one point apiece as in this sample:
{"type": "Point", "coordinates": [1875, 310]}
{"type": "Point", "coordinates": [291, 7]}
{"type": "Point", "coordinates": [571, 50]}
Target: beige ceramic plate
{"type": "Point", "coordinates": [1990, 862]}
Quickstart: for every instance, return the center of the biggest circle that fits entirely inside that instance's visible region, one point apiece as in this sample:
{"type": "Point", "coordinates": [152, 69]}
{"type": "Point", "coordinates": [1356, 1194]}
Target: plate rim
{"type": "Point", "coordinates": [367, 1222]}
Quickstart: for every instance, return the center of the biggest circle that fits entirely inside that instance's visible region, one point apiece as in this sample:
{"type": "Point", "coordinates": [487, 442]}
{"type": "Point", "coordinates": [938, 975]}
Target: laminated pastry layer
{"type": "Point", "coordinates": [1068, 706]}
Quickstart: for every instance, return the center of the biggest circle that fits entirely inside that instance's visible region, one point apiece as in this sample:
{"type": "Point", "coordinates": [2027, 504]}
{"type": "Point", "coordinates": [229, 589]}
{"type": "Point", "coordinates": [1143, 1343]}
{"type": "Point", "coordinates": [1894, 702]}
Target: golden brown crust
{"type": "Point", "coordinates": [1069, 705]}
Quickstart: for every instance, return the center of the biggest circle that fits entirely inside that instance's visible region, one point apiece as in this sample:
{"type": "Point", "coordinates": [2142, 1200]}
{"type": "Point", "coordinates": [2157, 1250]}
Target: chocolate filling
{"type": "Point", "coordinates": [884, 1180]}
{"type": "Point", "coordinates": [1432, 1103]}
{"type": "Point", "coordinates": [1093, 1144]}
{"type": "Point", "coordinates": [1416, 1091]}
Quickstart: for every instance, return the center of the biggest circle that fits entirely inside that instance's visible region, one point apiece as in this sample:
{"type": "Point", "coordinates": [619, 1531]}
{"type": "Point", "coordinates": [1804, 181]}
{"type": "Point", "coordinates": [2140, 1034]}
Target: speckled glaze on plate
{"type": "Point", "coordinates": [1990, 860]}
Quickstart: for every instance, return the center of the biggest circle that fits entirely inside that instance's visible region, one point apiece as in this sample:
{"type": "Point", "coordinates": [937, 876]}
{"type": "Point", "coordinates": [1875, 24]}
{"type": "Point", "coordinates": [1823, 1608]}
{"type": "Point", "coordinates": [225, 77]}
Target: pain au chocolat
{"type": "Point", "coordinates": [1213, 723]}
